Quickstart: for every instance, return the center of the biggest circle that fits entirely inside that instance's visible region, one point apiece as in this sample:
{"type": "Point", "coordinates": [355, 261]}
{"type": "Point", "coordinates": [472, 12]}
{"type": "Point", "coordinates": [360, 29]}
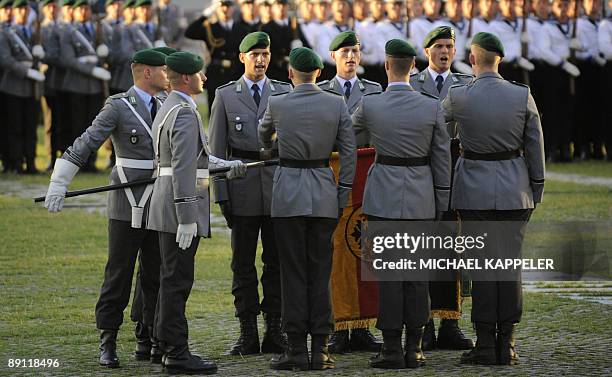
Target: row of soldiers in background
{"type": "Point", "coordinates": [561, 56]}
{"type": "Point", "coordinates": [66, 62]}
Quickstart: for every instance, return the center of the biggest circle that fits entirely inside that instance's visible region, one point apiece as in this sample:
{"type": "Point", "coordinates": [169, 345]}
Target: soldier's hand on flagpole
{"type": "Point", "coordinates": [571, 69]}
{"type": "Point", "coordinates": [63, 172]}
{"type": "Point", "coordinates": [38, 52]}
{"type": "Point", "coordinates": [35, 75]}
{"type": "Point", "coordinates": [185, 234]}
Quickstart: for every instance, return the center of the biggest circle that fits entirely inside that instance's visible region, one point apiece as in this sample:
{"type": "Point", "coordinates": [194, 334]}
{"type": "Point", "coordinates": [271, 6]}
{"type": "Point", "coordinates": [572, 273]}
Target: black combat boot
{"type": "Point", "coordinates": [391, 356]}
{"type": "Point", "coordinates": [505, 344]}
{"type": "Point", "coordinates": [248, 341]}
{"type": "Point", "coordinates": [274, 341]}
{"type": "Point", "coordinates": [484, 353]}
{"type": "Point", "coordinates": [413, 356]}
{"type": "Point", "coordinates": [320, 358]}
{"type": "Point", "coordinates": [143, 342]}
{"type": "Point", "coordinates": [179, 360]}
{"type": "Point", "coordinates": [429, 336]}
{"type": "Point", "coordinates": [339, 342]}
{"type": "Point", "coordinates": [295, 356]}
{"type": "Point", "coordinates": [450, 336]}
{"type": "Point", "coordinates": [156, 349]}
{"type": "Point", "coordinates": [108, 349]}
{"type": "Point", "coordinates": [364, 340]}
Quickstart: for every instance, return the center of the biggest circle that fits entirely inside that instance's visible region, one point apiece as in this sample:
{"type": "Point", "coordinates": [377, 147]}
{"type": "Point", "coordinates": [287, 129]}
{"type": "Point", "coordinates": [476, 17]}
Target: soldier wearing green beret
{"type": "Point", "coordinates": [501, 136]}
{"type": "Point", "coordinates": [236, 111]}
{"type": "Point", "coordinates": [306, 203]}
{"type": "Point", "coordinates": [126, 119]}
{"type": "Point", "coordinates": [435, 80]}
{"type": "Point", "coordinates": [345, 51]}
{"type": "Point", "coordinates": [341, 21]}
{"type": "Point", "coordinates": [179, 208]}
{"type": "Point", "coordinates": [172, 22]}
{"type": "Point", "coordinates": [411, 146]}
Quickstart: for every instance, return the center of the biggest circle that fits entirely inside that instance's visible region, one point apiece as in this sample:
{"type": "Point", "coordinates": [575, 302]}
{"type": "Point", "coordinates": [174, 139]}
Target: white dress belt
{"type": "Point", "coordinates": [167, 171]}
{"type": "Point", "coordinates": [135, 164]}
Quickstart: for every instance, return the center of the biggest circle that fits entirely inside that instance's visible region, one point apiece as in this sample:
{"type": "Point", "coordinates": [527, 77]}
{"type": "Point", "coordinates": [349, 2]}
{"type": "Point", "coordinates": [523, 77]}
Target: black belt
{"type": "Point", "coordinates": [304, 164]}
{"type": "Point", "coordinates": [496, 156]}
{"type": "Point", "coordinates": [402, 161]}
{"type": "Point", "coordinates": [262, 155]}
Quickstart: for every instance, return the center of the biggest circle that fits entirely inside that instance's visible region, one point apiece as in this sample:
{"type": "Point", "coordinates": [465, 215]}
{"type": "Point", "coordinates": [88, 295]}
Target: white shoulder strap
{"type": "Point", "coordinates": [84, 41]}
{"type": "Point", "coordinates": [142, 121]}
{"type": "Point", "coordinates": [21, 44]}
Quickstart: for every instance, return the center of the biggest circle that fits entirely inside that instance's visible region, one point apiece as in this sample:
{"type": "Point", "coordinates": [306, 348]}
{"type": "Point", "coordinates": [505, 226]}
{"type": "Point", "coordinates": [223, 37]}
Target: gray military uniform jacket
{"type": "Point", "coordinates": [75, 43]}
{"type": "Point", "coordinates": [306, 123]}
{"type": "Point", "coordinates": [15, 60]}
{"type": "Point", "coordinates": [133, 145]}
{"type": "Point", "coordinates": [50, 35]}
{"type": "Point", "coordinates": [495, 115]}
{"type": "Point", "coordinates": [180, 197]}
{"type": "Point", "coordinates": [362, 87]}
{"type": "Point", "coordinates": [405, 123]}
{"type": "Point", "coordinates": [422, 82]}
{"type": "Point", "coordinates": [233, 125]}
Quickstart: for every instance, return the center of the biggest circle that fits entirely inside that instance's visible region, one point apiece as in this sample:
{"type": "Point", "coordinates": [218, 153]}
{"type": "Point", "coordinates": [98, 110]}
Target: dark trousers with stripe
{"type": "Point", "coordinates": [588, 119]}
{"type": "Point", "coordinates": [20, 120]}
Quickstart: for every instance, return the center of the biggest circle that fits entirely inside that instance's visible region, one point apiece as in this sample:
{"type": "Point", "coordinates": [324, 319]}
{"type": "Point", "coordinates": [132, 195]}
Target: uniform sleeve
{"type": "Point", "coordinates": [51, 45]}
{"type": "Point", "coordinates": [345, 141]}
{"type": "Point", "coordinates": [604, 39]}
{"type": "Point", "coordinates": [533, 146]}
{"type": "Point", "coordinates": [95, 135]}
{"type": "Point", "coordinates": [441, 162]}
{"type": "Point", "coordinates": [69, 55]}
{"type": "Point", "coordinates": [359, 118]}
{"type": "Point", "coordinates": [266, 129]}
{"type": "Point", "coordinates": [184, 143]}
{"type": "Point", "coordinates": [196, 29]}
{"type": "Point", "coordinates": [544, 43]}
{"type": "Point", "coordinates": [217, 131]}
{"type": "Point", "coordinates": [447, 107]}
{"type": "Point", "coordinates": [7, 61]}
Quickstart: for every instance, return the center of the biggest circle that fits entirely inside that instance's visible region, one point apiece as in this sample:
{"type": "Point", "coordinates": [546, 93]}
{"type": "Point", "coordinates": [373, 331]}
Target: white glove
{"type": "Point", "coordinates": [296, 43]}
{"type": "Point", "coordinates": [238, 169]}
{"type": "Point", "coordinates": [88, 59]}
{"type": "Point", "coordinates": [525, 64]}
{"type": "Point", "coordinates": [35, 75]}
{"type": "Point", "coordinates": [461, 67]}
{"type": "Point", "coordinates": [525, 37]}
{"type": "Point", "coordinates": [210, 10]}
{"type": "Point", "coordinates": [159, 43]}
{"type": "Point", "coordinates": [63, 172]}
{"type": "Point", "coordinates": [38, 51]}
{"type": "Point", "coordinates": [575, 44]}
{"type": "Point", "coordinates": [102, 51]}
{"type": "Point", "coordinates": [571, 69]}
{"type": "Point", "coordinates": [101, 73]}
{"type": "Point", "coordinates": [600, 61]}
{"type": "Point", "coordinates": [185, 234]}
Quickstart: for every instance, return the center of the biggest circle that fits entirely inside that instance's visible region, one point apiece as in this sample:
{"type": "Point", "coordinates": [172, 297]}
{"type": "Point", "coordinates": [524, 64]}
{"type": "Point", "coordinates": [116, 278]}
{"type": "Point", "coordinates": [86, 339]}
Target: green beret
{"type": "Point", "coordinates": [6, 3]}
{"type": "Point", "coordinates": [441, 32]}
{"type": "Point", "coordinates": [254, 40]}
{"type": "Point", "coordinates": [165, 50]}
{"type": "Point", "coordinates": [47, 2]}
{"type": "Point", "coordinates": [149, 57]}
{"type": "Point", "coordinates": [489, 42]}
{"type": "Point", "coordinates": [399, 48]}
{"type": "Point", "coordinates": [110, 2]}
{"type": "Point", "coordinates": [80, 3]}
{"type": "Point", "coordinates": [185, 63]}
{"type": "Point", "coordinates": [67, 3]}
{"type": "Point", "coordinates": [20, 3]}
{"type": "Point", "coordinates": [344, 39]}
{"type": "Point", "coordinates": [304, 59]}
{"type": "Point", "coordinates": [128, 4]}
{"type": "Point", "coordinates": [142, 3]}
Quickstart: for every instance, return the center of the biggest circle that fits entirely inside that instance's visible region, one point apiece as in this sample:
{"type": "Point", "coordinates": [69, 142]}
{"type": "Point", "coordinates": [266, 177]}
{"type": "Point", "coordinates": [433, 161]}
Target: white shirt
{"type": "Point", "coordinates": [604, 37]}
{"type": "Point", "coordinates": [509, 33]}
{"type": "Point", "coordinates": [187, 97]}
{"type": "Point", "coordinates": [342, 81]}
{"type": "Point", "coordinates": [144, 96]}
{"type": "Point", "coordinates": [372, 49]}
{"type": "Point", "coordinates": [259, 83]}
{"type": "Point", "coordinates": [535, 28]}
{"type": "Point", "coordinates": [554, 43]}
{"type": "Point", "coordinates": [435, 74]}
{"type": "Point", "coordinates": [227, 25]}
{"type": "Point", "coordinates": [398, 83]}
{"type": "Point", "coordinates": [327, 32]}
{"type": "Point", "coordinates": [586, 31]}
{"type": "Point", "coordinates": [419, 28]}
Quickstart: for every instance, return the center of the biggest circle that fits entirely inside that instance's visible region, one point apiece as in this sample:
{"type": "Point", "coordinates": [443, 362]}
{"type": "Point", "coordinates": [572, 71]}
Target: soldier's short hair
{"type": "Point", "coordinates": [400, 66]}
{"type": "Point", "coordinates": [485, 58]}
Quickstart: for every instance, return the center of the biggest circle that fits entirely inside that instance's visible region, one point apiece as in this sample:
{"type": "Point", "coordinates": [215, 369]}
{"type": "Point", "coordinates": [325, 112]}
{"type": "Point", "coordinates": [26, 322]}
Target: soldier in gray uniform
{"type": "Point", "coordinates": [63, 104]}
{"type": "Point", "coordinates": [306, 202]}
{"type": "Point", "coordinates": [179, 208]}
{"type": "Point", "coordinates": [83, 82]}
{"type": "Point", "coordinates": [412, 145]}
{"type": "Point", "coordinates": [499, 177]}
{"type": "Point", "coordinates": [5, 23]}
{"type": "Point", "coordinates": [435, 80]}
{"type": "Point", "coordinates": [126, 118]}
{"type": "Point", "coordinates": [173, 23]}
{"type": "Point", "coordinates": [236, 111]}
{"type": "Point", "coordinates": [345, 51]}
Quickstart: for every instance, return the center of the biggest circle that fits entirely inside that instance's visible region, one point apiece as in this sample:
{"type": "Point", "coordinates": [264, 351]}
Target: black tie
{"type": "Point", "coordinates": [256, 95]}
{"type": "Point", "coordinates": [153, 108]}
{"type": "Point", "coordinates": [439, 83]}
{"type": "Point", "coordinates": [347, 89]}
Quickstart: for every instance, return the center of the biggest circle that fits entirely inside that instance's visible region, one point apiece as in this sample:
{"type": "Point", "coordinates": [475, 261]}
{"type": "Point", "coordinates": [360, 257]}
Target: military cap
{"type": "Point", "coordinates": [262, 2]}
{"type": "Point", "coordinates": [165, 50]}
{"type": "Point", "coordinates": [47, 2]}
{"type": "Point", "coordinates": [257, 39]}
{"type": "Point", "coordinates": [128, 4]}
{"type": "Point", "coordinates": [20, 3]}
{"type": "Point", "coordinates": [142, 3]}
{"type": "Point", "coordinates": [185, 62]}
{"type": "Point", "coordinates": [149, 57]}
{"type": "Point", "coordinates": [304, 59]}
{"type": "Point", "coordinates": [6, 3]}
{"type": "Point", "coordinates": [110, 2]}
{"type": "Point", "coordinates": [488, 42]}
{"type": "Point", "coordinates": [398, 48]}
{"type": "Point", "coordinates": [394, 1]}
{"type": "Point", "coordinates": [440, 32]}
{"type": "Point", "coordinates": [80, 3]}
{"type": "Point", "coordinates": [346, 38]}
{"type": "Point", "coordinates": [67, 3]}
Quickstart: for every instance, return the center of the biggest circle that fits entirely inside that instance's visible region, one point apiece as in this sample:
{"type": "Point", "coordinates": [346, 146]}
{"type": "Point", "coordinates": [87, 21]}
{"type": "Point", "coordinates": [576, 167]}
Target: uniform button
{"type": "Point", "coordinates": [237, 118]}
{"type": "Point", "coordinates": [133, 131]}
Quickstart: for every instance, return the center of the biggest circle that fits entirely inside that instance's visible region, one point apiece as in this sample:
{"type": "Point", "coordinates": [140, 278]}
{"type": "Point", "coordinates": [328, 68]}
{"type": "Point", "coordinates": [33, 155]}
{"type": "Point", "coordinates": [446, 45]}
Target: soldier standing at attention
{"type": "Point", "coordinates": [179, 208]}
{"type": "Point", "coordinates": [372, 58]}
{"type": "Point", "coordinates": [306, 203]}
{"type": "Point", "coordinates": [345, 52]}
{"type": "Point", "coordinates": [245, 203]}
{"type": "Point", "coordinates": [500, 177]}
{"type": "Point", "coordinates": [419, 28]}
{"type": "Point", "coordinates": [341, 21]}
{"type": "Point", "coordinates": [126, 119]}
{"type": "Point", "coordinates": [5, 23]}
{"type": "Point", "coordinates": [456, 20]}
{"type": "Point", "coordinates": [19, 83]}
{"type": "Point", "coordinates": [435, 80]}
{"type": "Point", "coordinates": [173, 23]}
{"type": "Point", "coordinates": [408, 132]}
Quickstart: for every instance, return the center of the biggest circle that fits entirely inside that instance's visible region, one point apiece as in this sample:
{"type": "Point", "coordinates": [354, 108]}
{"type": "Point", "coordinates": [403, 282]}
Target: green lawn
{"type": "Point", "coordinates": [590, 168]}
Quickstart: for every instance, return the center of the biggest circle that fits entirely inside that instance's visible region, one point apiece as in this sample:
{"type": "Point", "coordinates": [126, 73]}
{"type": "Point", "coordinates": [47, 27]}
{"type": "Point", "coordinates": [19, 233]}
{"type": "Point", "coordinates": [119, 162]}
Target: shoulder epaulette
{"type": "Point", "coordinates": [371, 82]}
{"type": "Point", "coordinates": [518, 83]}
{"type": "Point", "coordinates": [118, 95]}
{"type": "Point", "coordinates": [463, 75]}
{"type": "Point", "coordinates": [369, 94]}
{"type": "Point", "coordinates": [228, 84]}
{"type": "Point", "coordinates": [274, 94]}
{"type": "Point", "coordinates": [333, 92]}
{"type": "Point", "coordinates": [429, 95]}
{"type": "Point", "coordinates": [280, 82]}
{"type": "Point", "coordinates": [323, 82]}
{"type": "Point", "coordinates": [457, 85]}
{"type": "Point", "coordinates": [414, 74]}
